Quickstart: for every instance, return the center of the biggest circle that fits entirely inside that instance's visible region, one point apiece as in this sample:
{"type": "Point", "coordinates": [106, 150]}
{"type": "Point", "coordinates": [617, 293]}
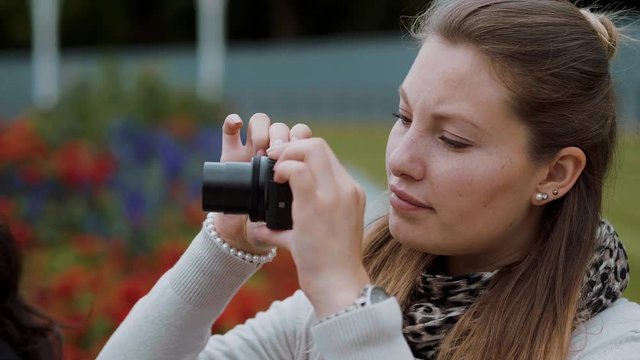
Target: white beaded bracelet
{"type": "Point", "coordinates": [210, 229]}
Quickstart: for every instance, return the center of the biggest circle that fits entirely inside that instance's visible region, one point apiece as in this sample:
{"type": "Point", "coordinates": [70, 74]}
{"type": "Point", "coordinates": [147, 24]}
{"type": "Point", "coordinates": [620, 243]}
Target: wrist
{"type": "Point", "coordinates": [334, 296]}
{"type": "Point", "coordinates": [252, 257]}
{"type": "Point", "coordinates": [237, 242]}
{"type": "Point", "coordinates": [369, 295]}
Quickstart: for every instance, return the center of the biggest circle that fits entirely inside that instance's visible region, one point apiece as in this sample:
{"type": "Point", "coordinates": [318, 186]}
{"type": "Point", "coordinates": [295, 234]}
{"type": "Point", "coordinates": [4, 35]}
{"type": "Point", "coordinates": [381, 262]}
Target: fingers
{"type": "Point", "coordinates": [261, 134]}
{"type": "Point", "coordinates": [281, 239]}
{"type": "Point", "coordinates": [300, 131]}
{"type": "Point", "coordinates": [300, 178]}
{"type": "Point", "coordinates": [319, 183]}
{"type": "Point", "coordinates": [231, 142]}
{"type": "Point", "coordinates": [258, 134]}
{"type": "Point", "coordinates": [303, 186]}
{"type": "Point", "coordinates": [278, 134]}
{"type": "Point", "coordinates": [316, 155]}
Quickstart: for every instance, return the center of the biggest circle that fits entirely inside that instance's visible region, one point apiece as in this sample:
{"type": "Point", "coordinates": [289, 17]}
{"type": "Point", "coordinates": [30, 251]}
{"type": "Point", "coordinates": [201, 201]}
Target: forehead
{"type": "Point", "coordinates": [454, 78]}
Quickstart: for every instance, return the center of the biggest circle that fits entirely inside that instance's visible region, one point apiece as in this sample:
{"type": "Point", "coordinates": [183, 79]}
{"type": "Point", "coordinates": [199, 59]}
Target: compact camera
{"type": "Point", "coordinates": [247, 188]}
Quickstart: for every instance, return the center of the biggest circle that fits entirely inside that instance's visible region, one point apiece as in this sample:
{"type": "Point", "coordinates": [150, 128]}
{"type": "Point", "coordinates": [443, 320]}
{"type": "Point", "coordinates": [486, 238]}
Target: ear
{"type": "Point", "coordinates": [560, 175]}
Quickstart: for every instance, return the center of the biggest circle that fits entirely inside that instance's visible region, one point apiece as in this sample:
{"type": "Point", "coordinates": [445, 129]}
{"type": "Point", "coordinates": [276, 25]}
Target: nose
{"type": "Point", "coordinates": [406, 158]}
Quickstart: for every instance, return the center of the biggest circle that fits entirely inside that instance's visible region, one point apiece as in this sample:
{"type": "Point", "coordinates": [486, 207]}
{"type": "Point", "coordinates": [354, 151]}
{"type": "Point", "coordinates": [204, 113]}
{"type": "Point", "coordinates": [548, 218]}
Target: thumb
{"type": "Point", "coordinates": [279, 238]}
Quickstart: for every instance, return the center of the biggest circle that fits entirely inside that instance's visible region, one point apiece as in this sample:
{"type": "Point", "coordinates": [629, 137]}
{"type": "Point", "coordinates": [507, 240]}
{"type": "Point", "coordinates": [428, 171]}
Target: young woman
{"type": "Point", "coordinates": [493, 246]}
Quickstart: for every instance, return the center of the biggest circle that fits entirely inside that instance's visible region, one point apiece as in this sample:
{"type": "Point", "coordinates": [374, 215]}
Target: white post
{"type": "Point", "coordinates": [45, 56]}
{"type": "Point", "coordinates": [211, 48]}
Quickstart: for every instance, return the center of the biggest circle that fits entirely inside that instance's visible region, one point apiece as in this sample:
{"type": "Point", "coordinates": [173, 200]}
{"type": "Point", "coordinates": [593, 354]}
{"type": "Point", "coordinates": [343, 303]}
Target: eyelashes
{"type": "Point", "coordinates": [405, 120]}
{"type": "Point", "coordinates": [454, 144]}
{"type": "Point", "coordinates": [447, 141]}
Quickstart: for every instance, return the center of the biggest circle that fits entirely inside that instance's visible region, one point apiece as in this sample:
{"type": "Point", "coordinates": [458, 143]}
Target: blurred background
{"type": "Point", "coordinates": [109, 108]}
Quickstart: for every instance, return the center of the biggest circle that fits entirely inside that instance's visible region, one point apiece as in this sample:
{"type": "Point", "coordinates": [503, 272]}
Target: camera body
{"type": "Point", "coordinates": [247, 188]}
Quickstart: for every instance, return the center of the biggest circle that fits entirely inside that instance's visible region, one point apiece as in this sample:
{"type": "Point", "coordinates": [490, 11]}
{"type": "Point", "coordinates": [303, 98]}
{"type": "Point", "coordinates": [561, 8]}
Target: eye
{"type": "Point", "coordinates": [454, 144]}
{"type": "Point", "coordinates": [405, 120]}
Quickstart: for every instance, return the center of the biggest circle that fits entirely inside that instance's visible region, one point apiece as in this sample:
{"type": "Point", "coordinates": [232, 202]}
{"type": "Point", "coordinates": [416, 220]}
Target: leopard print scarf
{"type": "Point", "coordinates": [425, 323]}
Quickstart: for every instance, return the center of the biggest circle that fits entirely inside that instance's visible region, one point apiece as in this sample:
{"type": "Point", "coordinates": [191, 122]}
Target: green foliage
{"type": "Point", "coordinates": [88, 107]}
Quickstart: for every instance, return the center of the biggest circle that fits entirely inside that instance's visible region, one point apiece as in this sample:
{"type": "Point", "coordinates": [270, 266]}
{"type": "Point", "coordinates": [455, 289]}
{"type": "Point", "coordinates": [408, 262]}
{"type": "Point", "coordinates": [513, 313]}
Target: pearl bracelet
{"type": "Point", "coordinates": [210, 229]}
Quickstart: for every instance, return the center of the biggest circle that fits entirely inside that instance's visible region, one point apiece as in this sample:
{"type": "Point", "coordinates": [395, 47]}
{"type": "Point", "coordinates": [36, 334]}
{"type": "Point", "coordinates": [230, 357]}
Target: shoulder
{"type": "Point", "coordinates": [614, 330]}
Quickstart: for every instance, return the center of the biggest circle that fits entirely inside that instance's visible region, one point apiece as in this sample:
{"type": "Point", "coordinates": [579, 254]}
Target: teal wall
{"type": "Point", "coordinates": [344, 78]}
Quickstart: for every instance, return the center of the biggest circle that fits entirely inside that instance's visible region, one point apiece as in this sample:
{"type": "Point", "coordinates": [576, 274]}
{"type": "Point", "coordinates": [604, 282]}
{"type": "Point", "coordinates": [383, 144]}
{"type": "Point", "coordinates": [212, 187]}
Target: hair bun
{"type": "Point", "coordinates": [606, 30]}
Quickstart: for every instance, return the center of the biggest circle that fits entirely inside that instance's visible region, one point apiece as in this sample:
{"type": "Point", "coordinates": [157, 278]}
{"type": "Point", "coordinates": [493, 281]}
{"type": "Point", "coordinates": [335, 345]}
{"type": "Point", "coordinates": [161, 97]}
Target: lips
{"type": "Point", "coordinates": [404, 200]}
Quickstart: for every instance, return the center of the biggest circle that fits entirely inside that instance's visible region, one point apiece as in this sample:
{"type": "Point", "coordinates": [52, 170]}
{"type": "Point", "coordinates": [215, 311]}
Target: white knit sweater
{"type": "Point", "coordinates": [174, 320]}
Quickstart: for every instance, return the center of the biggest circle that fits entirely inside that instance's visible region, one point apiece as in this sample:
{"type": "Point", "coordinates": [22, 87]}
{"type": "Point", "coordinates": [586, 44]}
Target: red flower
{"type": "Point", "coordinates": [71, 281]}
{"type": "Point", "coordinates": [282, 275]}
{"type": "Point", "coordinates": [31, 173]}
{"type": "Point", "coordinates": [20, 142]}
{"type": "Point", "coordinates": [79, 163]}
{"type": "Point", "coordinates": [88, 245]}
{"type": "Point", "coordinates": [167, 255]}
{"type": "Point", "coordinates": [7, 207]}
{"type": "Point", "coordinates": [127, 294]}
{"type": "Point", "coordinates": [193, 213]}
{"type": "Point", "coordinates": [71, 352]}
{"type": "Point", "coordinates": [22, 233]}
{"type": "Point", "coordinates": [244, 305]}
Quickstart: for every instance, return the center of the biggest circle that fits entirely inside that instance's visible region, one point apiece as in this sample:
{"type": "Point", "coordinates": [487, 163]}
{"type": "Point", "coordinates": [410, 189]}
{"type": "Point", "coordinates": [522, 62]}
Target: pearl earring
{"type": "Point", "coordinates": [542, 196]}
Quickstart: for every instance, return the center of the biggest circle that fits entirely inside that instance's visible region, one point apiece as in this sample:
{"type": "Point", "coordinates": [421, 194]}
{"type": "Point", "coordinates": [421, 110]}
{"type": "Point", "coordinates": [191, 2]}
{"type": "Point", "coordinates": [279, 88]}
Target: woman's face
{"type": "Point", "coordinates": [460, 179]}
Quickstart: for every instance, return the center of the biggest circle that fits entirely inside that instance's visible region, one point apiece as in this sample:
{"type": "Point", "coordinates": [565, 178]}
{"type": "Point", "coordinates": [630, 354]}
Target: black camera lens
{"type": "Point", "coordinates": [247, 188]}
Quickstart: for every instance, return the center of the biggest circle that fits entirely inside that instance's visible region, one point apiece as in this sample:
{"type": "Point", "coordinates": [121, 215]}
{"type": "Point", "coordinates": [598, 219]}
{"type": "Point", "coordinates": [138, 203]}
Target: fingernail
{"type": "Point", "coordinates": [276, 142]}
{"type": "Point", "coordinates": [235, 119]}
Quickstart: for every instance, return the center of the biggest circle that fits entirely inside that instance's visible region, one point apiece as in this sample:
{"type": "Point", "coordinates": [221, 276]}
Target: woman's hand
{"type": "Point", "coordinates": [237, 230]}
{"type": "Point", "coordinates": [328, 219]}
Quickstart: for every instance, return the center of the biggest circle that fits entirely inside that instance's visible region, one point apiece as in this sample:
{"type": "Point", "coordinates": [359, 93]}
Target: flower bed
{"type": "Point", "coordinates": [101, 217]}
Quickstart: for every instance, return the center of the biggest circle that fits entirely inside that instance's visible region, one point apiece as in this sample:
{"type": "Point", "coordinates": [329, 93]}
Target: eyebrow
{"type": "Point", "coordinates": [441, 115]}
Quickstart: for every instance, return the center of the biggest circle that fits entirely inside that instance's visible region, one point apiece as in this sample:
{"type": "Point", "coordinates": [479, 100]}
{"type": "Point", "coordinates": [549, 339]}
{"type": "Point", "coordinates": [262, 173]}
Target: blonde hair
{"type": "Point", "coordinates": [553, 59]}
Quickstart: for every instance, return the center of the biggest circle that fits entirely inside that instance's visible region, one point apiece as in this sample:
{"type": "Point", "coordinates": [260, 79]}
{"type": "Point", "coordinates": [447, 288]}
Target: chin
{"type": "Point", "coordinates": [416, 238]}
{"type": "Point", "coordinates": [403, 227]}
{"type": "Point", "coordinates": [406, 234]}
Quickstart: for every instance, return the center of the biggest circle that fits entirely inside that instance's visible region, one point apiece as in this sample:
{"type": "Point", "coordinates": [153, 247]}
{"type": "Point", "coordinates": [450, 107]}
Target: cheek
{"type": "Point", "coordinates": [484, 190]}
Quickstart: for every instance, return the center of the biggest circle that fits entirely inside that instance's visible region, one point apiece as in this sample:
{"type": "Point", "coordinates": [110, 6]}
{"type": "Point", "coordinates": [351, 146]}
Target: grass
{"type": "Point", "coordinates": [358, 146]}
{"type": "Point", "coordinates": [621, 205]}
{"type": "Point", "coordinates": [364, 148]}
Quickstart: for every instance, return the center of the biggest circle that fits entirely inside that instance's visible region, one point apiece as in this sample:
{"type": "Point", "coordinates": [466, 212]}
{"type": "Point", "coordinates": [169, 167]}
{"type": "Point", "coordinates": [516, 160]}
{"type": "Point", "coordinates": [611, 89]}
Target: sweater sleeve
{"type": "Point", "coordinates": [173, 321]}
{"type": "Point", "coordinates": [373, 332]}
